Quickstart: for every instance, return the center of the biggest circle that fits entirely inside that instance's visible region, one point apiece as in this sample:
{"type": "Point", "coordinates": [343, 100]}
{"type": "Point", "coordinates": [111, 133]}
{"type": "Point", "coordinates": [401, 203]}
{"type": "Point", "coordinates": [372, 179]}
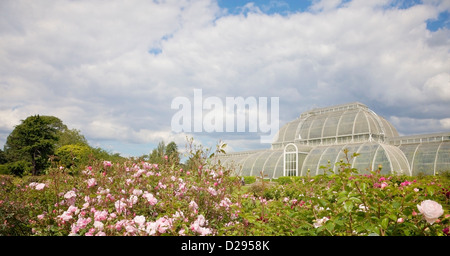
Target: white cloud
{"type": "Point", "coordinates": [91, 62]}
{"type": "Point", "coordinates": [419, 125]}
{"type": "Point", "coordinates": [438, 87]}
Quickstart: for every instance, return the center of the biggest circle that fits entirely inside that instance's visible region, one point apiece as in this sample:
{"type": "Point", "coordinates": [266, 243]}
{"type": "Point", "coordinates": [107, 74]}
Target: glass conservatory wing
{"type": "Point", "coordinates": [271, 163]}
{"type": "Point", "coordinates": [352, 148]}
{"type": "Point", "coordinates": [365, 161]}
{"type": "Point", "coordinates": [311, 161]}
{"type": "Point", "coordinates": [425, 158]}
{"type": "Point", "coordinates": [382, 159]}
{"type": "Point", "coordinates": [328, 158]}
{"type": "Point", "coordinates": [443, 158]}
{"type": "Point", "coordinates": [278, 170]}
{"type": "Point", "coordinates": [247, 164]}
{"type": "Point", "coordinates": [259, 162]}
{"type": "Point", "coordinates": [399, 162]}
{"type": "Point", "coordinates": [409, 150]}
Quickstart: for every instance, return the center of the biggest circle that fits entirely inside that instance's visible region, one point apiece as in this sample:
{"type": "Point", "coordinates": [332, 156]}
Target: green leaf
{"type": "Point", "coordinates": [408, 196]}
{"type": "Point", "coordinates": [393, 217]}
{"type": "Point", "coordinates": [385, 223]}
{"type": "Point", "coordinates": [341, 200]}
{"type": "Point", "coordinates": [430, 190]}
{"type": "Point", "coordinates": [356, 200]}
{"type": "Point", "coordinates": [348, 206]}
{"type": "Point", "coordinates": [330, 226]}
{"type": "Point", "coordinates": [396, 205]}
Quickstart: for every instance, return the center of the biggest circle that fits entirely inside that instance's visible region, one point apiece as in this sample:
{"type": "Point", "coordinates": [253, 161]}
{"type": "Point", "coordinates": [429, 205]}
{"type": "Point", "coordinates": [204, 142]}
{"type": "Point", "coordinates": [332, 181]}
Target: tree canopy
{"type": "Point", "coordinates": [33, 140]}
{"type": "Point", "coordinates": [157, 156]}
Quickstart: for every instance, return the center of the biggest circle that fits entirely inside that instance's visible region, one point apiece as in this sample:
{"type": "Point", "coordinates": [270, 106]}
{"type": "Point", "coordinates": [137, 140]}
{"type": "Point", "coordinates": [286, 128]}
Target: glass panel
{"type": "Point", "coordinates": [281, 133]}
{"type": "Point", "coordinates": [374, 129]}
{"type": "Point", "coordinates": [304, 130]}
{"type": "Point", "coordinates": [361, 125]}
{"type": "Point", "coordinates": [409, 150]}
{"type": "Point", "coordinates": [269, 167]}
{"type": "Point", "coordinates": [443, 160]}
{"type": "Point", "coordinates": [312, 160]}
{"type": "Point", "coordinates": [330, 126]}
{"type": "Point", "coordinates": [291, 131]}
{"type": "Point", "coordinates": [364, 161]}
{"type": "Point", "coordinates": [381, 158]}
{"type": "Point", "coordinates": [425, 158]}
{"type": "Point", "coordinates": [346, 123]}
{"type": "Point", "coordinates": [328, 155]}
{"type": "Point", "coordinates": [390, 131]}
{"type": "Point", "coordinates": [247, 165]}
{"type": "Point", "coordinates": [259, 163]}
{"type": "Point", "coordinates": [399, 162]}
{"type": "Point", "coordinates": [316, 127]}
{"type": "Point", "coordinates": [279, 166]}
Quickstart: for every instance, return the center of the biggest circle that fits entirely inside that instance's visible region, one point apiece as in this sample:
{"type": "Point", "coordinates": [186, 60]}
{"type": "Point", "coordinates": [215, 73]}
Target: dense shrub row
{"type": "Point", "coordinates": [140, 198]}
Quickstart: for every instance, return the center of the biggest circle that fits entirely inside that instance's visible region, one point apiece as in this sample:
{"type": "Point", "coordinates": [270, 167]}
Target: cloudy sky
{"type": "Point", "coordinates": [112, 68]}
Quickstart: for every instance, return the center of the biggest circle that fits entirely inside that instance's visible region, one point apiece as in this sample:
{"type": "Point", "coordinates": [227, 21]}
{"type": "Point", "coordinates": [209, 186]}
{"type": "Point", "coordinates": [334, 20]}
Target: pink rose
{"type": "Point", "coordinates": [40, 186]}
{"type": "Point", "coordinates": [91, 182]}
{"type": "Point", "coordinates": [431, 210]}
{"type": "Point", "coordinates": [106, 164]}
{"type": "Point", "coordinates": [150, 198]}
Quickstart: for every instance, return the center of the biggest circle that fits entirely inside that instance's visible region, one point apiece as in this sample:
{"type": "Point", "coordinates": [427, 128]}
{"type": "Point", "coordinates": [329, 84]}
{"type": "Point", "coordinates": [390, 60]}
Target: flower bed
{"type": "Point", "coordinates": [139, 198]}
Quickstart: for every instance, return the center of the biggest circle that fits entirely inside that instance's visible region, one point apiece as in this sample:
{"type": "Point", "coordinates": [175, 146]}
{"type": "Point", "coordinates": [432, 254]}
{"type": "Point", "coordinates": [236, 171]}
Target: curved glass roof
{"type": "Point", "coordinates": [354, 121]}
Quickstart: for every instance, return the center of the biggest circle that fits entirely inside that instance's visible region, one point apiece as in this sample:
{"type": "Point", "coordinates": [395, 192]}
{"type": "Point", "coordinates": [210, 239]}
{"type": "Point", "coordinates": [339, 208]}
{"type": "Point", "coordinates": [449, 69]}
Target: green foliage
{"type": "Point", "coordinates": [43, 140]}
{"type": "Point", "coordinates": [163, 153]}
{"type": "Point", "coordinates": [19, 168]}
{"type": "Point", "coordinates": [3, 158]}
{"type": "Point", "coordinates": [287, 179]}
{"type": "Point", "coordinates": [74, 156]}
{"type": "Point", "coordinates": [70, 137]}
{"type": "Point", "coordinates": [33, 141]}
{"type": "Point", "coordinates": [249, 179]}
{"type": "Point", "coordinates": [344, 203]}
{"type": "Point", "coordinates": [171, 152]}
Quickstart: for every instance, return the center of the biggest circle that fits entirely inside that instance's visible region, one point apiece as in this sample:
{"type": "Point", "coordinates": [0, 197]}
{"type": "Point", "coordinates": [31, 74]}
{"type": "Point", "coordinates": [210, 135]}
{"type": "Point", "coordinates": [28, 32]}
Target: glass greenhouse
{"type": "Point", "coordinates": [318, 137]}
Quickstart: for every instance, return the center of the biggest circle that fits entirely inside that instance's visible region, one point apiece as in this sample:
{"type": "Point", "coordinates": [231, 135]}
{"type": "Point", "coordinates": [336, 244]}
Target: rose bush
{"type": "Point", "coordinates": [140, 198]}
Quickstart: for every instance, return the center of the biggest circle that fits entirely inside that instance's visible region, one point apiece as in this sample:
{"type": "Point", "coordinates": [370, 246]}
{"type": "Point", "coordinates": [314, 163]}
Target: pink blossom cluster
{"type": "Point", "coordinates": [37, 186]}
{"type": "Point", "coordinates": [407, 183]}
{"type": "Point", "coordinates": [143, 199]}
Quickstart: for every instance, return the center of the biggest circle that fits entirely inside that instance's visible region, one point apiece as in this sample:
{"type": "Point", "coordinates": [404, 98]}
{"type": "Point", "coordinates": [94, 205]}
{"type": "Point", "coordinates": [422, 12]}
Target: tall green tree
{"type": "Point", "coordinates": [68, 136]}
{"type": "Point", "coordinates": [33, 141]}
{"type": "Point", "coordinates": [2, 157]}
{"type": "Point", "coordinates": [170, 150]}
{"type": "Point", "coordinates": [157, 155]}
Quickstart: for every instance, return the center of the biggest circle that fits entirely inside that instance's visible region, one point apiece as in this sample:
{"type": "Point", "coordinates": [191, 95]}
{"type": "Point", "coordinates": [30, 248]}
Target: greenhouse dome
{"type": "Point", "coordinates": [318, 138]}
